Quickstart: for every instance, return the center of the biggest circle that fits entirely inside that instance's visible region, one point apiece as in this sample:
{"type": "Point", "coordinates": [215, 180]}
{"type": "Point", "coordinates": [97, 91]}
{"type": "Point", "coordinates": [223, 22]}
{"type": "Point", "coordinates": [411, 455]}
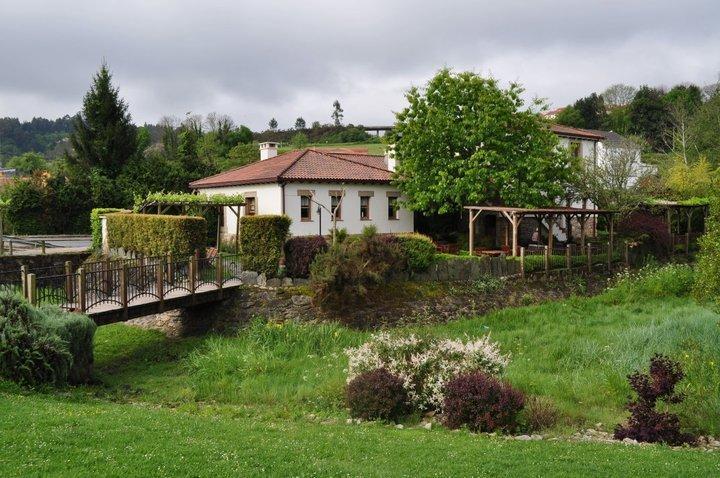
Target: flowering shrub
{"type": "Point", "coordinates": [482, 403]}
{"type": "Point", "coordinates": [647, 424]}
{"type": "Point", "coordinates": [425, 365]}
{"type": "Point", "coordinates": [377, 395]}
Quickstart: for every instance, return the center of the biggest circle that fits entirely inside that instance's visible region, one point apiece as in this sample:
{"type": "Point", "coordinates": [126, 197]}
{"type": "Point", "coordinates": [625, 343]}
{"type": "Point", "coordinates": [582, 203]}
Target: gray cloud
{"type": "Point", "coordinates": [256, 60]}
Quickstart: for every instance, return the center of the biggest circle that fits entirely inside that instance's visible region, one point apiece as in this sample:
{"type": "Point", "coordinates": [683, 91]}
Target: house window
{"type": "Point", "coordinates": [576, 148]}
{"type": "Point", "coordinates": [335, 203]}
{"type": "Point", "coordinates": [250, 206]}
{"type": "Point", "coordinates": [393, 208]}
{"type": "Point", "coordinates": [364, 208]}
{"type": "Point", "coordinates": [305, 209]}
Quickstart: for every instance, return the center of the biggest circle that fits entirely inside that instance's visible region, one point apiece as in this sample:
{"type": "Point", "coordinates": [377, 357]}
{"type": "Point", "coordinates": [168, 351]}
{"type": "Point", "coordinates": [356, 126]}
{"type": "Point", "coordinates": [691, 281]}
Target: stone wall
{"type": "Point", "coordinates": [468, 269]}
{"type": "Point", "coordinates": [10, 264]}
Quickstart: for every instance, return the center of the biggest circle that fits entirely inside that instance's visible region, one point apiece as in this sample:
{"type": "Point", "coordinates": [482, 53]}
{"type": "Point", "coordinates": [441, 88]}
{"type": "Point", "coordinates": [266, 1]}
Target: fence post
{"type": "Point", "coordinates": [522, 262]}
{"type": "Point", "coordinates": [687, 243]}
{"type": "Point", "coordinates": [547, 259]}
{"type": "Point", "coordinates": [32, 288]}
{"type": "Point", "coordinates": [609, 256]}
{"type": "Point", "coordinates": [589, 257]}
{"type": "Point", "coordinates": [82, 298]}
{"type": "Point", "coordinates": [11, 247]}
{"type": "Point", "coordinates": [627, 255]}
{"type": "Point", "coordinates": [123, 288]}
{"type": "Point", "coordinates": [23, 279]}
{"type": "Point", "coordinates": [171, 269]}
{"type": "Point", "coordinates": [568, 256]}
{"type": "Point", "coordinates": [42, 246]}
{"type": "Point", "coordinates": [160, 283]}
{"type": "Point", "coordinates": [2, 245]}
{"type": "Point", "coordinates": [219, 274]}
{"type": "Point", "coordinates": [68, 281]}
{"type": "Point", "coordinates": [192, 275]}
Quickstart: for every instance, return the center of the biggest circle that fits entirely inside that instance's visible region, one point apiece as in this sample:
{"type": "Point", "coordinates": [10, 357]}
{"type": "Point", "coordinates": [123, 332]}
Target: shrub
{"type": "Point", "coordinates": [300, 253]}
{"type": "Point", "coordinates": [425, 365]}
{"type": "Point", "coordinates": [418, 251]}
{"type": "Point", "coordinates": [96, 225]}
{"type": "Point", "coordinates": [707, 282]}
{"type": "Point", "coordinates": [482, 403]}
{"type": "Point", "coordinates": [645, 423]}
{"type": "Point", "coordinates": [377, 395]}
{"type": "Point", "coordinates": [539, 413]}
{"type": "Point", "coordinates": [261, 242]}
{"type": "Point", "coordinates": [43, 345]}
{"type": "Point", "coordinates": [649, 229]}
{"type": "Point", "coordinates": [652, 281]}
{"type": "Point", "coordinates": [155, 234]}
{"type": "Point", "coordinates": [342, 277]}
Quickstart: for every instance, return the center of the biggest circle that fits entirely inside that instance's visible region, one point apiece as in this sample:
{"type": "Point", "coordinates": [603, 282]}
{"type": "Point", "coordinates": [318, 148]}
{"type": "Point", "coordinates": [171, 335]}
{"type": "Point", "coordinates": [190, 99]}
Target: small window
{"type": "Point", "coordinates": [305, 209]}
{"type": "Point", "coordinates": [364, 208]}
{"type": "Point", "coordinates": [393, 208]}
{"type": "Point", "coordinates": [250, 207]}
{"type": "Point", "coordinates": [335, 203]}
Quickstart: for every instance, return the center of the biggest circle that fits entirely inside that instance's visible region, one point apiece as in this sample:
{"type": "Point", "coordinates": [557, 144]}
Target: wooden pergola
{"type": "Point", "coordinates": [163, 207]}
{"type": "Point", "coordinates": [515, 215]}
{"type": "Point", "coordinates": [678, 209]}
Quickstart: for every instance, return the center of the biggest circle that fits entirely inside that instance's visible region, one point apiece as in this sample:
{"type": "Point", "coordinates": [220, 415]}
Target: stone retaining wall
{"type": "Point", "coordinates": [9, 264]}
{"type": "Point", "coordinates": [468, 269]}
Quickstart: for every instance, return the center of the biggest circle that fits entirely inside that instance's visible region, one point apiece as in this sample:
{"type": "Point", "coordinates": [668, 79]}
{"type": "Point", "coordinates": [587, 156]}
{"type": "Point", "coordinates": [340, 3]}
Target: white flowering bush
{"type": "Point", "coordinates": [425, 365]}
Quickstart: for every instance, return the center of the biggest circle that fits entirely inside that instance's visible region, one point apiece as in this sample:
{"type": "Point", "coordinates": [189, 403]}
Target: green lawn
{"type": "Point", "coordinates": [373, 148]}
{"type": "Point", "coordinates": [269, 401]}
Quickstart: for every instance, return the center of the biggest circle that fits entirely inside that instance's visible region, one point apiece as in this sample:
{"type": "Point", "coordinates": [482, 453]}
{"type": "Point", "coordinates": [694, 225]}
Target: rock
{"type": "Point", "coordinates": [399, 426]}
{"type": "Point", "coordinates": [536, 437]}
{"type": "Point", "coordinates": [262, 280]}
{"type": "Point", "coordinates": [630, 441]}
{"type": "Point", "coordinates": [300, 281]}
{"type": "Point", "coordinates": [274, 282]}
{"type": "Point", "coordinates": [523, 437]}
{"type": "Point", "coordinates": [428, 426]}
{"type": "Point", "coordinates": [349, 421]}
{"type": "Point", "coordinates": [301, 300]}
{"type": "Point", "coordinates": [249, 277]}
{"type": "Point", "coordinates": [287, 282]}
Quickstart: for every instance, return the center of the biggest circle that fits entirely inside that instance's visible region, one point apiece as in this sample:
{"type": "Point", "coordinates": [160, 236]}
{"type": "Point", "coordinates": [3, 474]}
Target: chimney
{"type": "Point", "coordinates": [268, 150]}
{"type": "Point", "coordinates": [390, 161]}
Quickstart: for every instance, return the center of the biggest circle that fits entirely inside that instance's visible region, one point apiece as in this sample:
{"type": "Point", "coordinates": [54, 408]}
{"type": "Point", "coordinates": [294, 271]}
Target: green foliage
{"type": "Point", "coordinates": [592, 111]}
{"type": "Point", "coordinates": [152, 234]}
{"type": "Point", "coordinates": [704, 130]}
{"type": "Point", "coordinates": [96, 224]}
{"type": "Point", "coordinates": [299, 140]}
{"type": "Point", "coordinates": [28, 163]}
{"type": "Point", "coordinates": [377, 395]}
{"type": "Point", "coordinates": [190, 199]}
{"type": "Point", "coordinates": [337, 114]}
{"type": "Point", "coordinates": [37, 135]}
{"type": "Point", "coordinates": [688, 98]}
{"type": "Point", "coordinates": [45, 345]}
{"type": "Point", "coordinates": [300, 123]}
{"type": "Point", "coordinates": [618, 120]}
{"type": "Point", "coordinates": [103, 136]}
{"type": "Point", "coordinates": [570, 116]}
{"type": "Point", "coordinates": [464, 140]}
{"type": "Point", "coordinates": [418, 250]}
{"type": "Point", "coordinates": [261, 242]}
{"type": "Point", "coordinates": [240, 155]}
{"type": "Point", "coordinates": [707, 281]}
{"type": "Point", "coordinates": [650, 116]}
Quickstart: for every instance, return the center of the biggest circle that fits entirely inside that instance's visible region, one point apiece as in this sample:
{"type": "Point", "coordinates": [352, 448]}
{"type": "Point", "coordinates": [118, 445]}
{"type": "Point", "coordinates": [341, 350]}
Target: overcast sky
{"type": "Point", "coordinates": [257, 59]}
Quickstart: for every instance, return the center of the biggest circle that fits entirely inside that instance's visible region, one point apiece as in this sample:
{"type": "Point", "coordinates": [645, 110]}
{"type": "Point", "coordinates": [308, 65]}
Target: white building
{"type": "Point", "coordinates": [307, 184]}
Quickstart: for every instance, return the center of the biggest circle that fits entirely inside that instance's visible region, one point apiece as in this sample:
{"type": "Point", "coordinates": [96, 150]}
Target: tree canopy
{"type": "Point", "coordinates": [463, 140]}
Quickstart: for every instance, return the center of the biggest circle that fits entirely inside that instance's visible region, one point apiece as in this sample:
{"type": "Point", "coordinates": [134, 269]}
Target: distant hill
{"type": "Point", "coordinates": [40, 134]}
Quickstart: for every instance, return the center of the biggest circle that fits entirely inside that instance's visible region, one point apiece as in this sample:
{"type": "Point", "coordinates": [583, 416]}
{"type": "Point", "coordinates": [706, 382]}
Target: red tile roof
{"type": "Point", "coordinates": [304, 165]}
{"type": "Point", "coordinates": [562, 130]}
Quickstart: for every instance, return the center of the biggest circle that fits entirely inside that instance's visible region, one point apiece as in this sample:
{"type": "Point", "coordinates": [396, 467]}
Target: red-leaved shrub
{"type": "Point", "coordinates": [377, 395]}
{"type": "Point", "coordinates": [645, 423]}
{"type": "Point", "coordinates": [300, 252]}
{"type": "Point", "coordinates": [482, 403]}
{"type": "Point", "coordinates": [649, 229]}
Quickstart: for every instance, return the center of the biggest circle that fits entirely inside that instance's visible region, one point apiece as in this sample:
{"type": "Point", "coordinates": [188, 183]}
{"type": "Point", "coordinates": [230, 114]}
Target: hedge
{"type": "Point", "coordinates": [418, 249]}
{"type": "Point", "coordinates": [96, 224]}
{"type": "Point", "coordinates": [261, 242]}
{"type": "Point", "coordinates": [155, 234]}
{"type": "Point", "coordinates": [707, 277]}
{"type": "Point", "coordinates": [300, 253]}
{"type": "Point", "coordinates": [43, 345]}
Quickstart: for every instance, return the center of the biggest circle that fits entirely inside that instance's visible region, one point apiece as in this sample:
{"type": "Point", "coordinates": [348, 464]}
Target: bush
{"type": "Point", "coordinates": [648, 229]}
{"type": "Point", "coordinates": [482, 403]}
{"type": "Point", "coordinates": [707, 282]}
{"type": "Point", "coordinates": [539, 413]}
{"type": "Point", "coordinates": [261, 242]}
{"type": "Point", "coordinates": [377, 395]}
{"type": "Point", "coordinates": [418, 251]}
{"type": "Point", "coordinates": [647, 424]}
{"type": "Point", "coordinates": [96, 225]}
{"type": "Point", "coordinates": [155, 234]}
{"type": "Point", "coordinates": [43, 345]}
{"type": "Point", "coordinates": [652, 281]}
{"type": "Point", "coordinates": [425, 364]}
{"type": "Point", "coordinates": [300, 253]}
{"type": "Point", "coordinates": [343, 276]}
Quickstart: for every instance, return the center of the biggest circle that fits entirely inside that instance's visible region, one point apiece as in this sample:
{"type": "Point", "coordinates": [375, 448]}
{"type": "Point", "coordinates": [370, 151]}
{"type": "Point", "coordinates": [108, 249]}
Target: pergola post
{"type": "Point", "coordinates": [611, 242]}
{"type": "Point", "coordinates": [582, 220]}
{"type": "Point", "coordinates": [514, 219]}
{"type": "Point", "coordinates": [471, 232]}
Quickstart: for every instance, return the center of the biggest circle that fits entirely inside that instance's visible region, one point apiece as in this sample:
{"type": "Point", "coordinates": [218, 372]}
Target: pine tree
{"type": "Point", "coordinates": [337, 114]}
{"type": "Point", "coordinates": [103, 136]}
{"type": "Point", "coordinates": [273, 124]}
{"type": "Point", "coordinates": [300, 123]}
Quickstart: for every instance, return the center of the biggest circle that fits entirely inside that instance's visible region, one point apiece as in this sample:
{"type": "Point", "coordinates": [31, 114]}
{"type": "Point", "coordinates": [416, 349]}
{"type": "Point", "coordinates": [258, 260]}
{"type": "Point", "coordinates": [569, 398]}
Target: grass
{"type": "Point", "coordinates": [269, 401]}
{"type": "Point", "coordinates": [372, 147]}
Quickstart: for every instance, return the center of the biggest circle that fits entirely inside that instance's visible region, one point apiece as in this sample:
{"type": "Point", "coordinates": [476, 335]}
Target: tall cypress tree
{"type": "Point", "coordinates": [103, 136]}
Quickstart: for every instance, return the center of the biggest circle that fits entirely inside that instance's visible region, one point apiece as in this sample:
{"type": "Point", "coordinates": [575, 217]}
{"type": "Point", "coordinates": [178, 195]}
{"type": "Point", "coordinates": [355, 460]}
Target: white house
{"type": "Point", "coordinates": [307, 184]}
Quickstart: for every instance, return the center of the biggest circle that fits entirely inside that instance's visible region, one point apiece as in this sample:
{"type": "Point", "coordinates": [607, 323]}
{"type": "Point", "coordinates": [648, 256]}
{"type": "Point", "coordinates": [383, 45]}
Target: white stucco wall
{"type": "Point", "coordinates": [270, 201]}
{"type": "Point", "coordinates": [587, 147]}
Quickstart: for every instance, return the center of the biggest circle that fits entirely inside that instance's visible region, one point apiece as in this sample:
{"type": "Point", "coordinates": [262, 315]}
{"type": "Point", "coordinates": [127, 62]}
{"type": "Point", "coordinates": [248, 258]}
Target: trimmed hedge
{"type": "Point", "coordinates": [261, 242]}
{"type": "Point", "coordinates": [96, 225]}
{"type": "Point", "coordinates": [300, 252]}
{"type": "Point", "coordinates": [154, 234]}
{"type": "Point", "coordinates": [43, 345]}
{"type": "Point", "coordinates": [707, 277]}
{"type": "Point", "coordinates": [418, 249]}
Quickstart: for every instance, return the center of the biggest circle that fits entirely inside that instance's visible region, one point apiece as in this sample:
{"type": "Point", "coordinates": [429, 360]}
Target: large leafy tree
{"type": "Point", "coordinates": [464, 140]}
{"type": "Point", "coordinates": [704, 130]}
{"type": "Point", "coordinates": [650, 116]}
{"type": "Point", "coordinates": [103, 135]}
{"type": "Point", "coordinates": [592, 111]}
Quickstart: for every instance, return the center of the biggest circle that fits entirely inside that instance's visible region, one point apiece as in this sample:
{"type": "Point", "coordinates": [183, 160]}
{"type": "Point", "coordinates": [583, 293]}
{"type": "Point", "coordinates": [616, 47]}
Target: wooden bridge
{"type": "Point", "coordinates": [117, 290]}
